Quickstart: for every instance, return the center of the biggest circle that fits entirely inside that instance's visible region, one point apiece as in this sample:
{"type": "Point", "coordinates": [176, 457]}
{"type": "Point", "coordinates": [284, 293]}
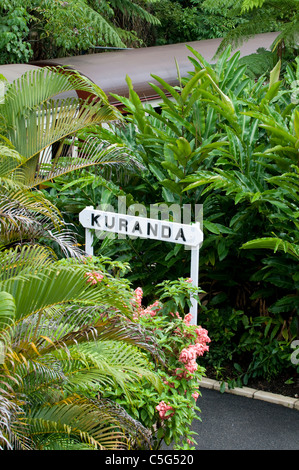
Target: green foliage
{"type": "Point", "coordinates": [260, 63]}
{"type": "Point", "coordinates": [14, 30]}
{"type": "Point", "coordinates": [247, 347]}
{"type": "Point", "coordinates": [170, 413]}
{"type": "Point", "coordinates": [230, 143]}
{"type": "Point", "coordinates": [35, 151]}
{"type": "Point", "coordinates": [258, 17]}
{"type": "Point", "coordinates": [43, 29]}
{"type": "Point", "coordinates": [189, 21]}
{"type": "Point", "coordinates": [85, 365]}
{"type": "Point", "coordinates": [62, 324]}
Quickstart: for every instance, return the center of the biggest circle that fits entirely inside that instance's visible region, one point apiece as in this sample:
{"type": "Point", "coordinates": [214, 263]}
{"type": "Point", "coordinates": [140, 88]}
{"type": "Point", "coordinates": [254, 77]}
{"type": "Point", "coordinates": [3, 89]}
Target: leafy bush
{"type": "Point", "coordinates": [189, 21]}
{"type": "Point", "coordinates": [14, 30]}
{"type": "Point", "coordinates": [230, 143]}
{"type": "Point", "coordinates": [64, 342]}
{"type": "Point", "coordinates": [83, 363]}
{"type": "Point", "coordinates": [170, 414]}
{"type": "Point", "coordinates": [43, 29]}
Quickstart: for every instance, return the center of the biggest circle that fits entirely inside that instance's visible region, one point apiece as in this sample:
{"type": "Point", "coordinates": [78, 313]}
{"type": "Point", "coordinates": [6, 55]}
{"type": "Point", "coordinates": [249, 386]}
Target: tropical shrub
{"type": "Point", "coordinates": [85, 365]}
{"type": "Point", "coordinates": [14, 20]}
{"type": "Point", "coordinates": [70, 328]}
{"type": "Point", "coordinates": [170, 414]}
{"type": "Point", "coordinates": [53, 313]}
{"type": "Point", "coordinates": [229, 143]}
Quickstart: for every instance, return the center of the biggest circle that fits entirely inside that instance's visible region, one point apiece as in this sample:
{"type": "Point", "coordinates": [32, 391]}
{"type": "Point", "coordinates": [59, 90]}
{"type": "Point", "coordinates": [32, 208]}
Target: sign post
{"type": "Point", "coordinates": [143, 227]}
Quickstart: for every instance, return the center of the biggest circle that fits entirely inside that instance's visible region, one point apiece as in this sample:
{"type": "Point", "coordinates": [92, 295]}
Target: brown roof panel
{"type": "Point", "coordinates": [14, 71]}
{"type": "Point", "coordinates": [109, 69]}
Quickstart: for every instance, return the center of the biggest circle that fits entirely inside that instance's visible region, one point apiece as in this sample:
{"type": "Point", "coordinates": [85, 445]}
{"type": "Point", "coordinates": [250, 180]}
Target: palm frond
{"type": "Point", "coordinates": [9, 161]}
{"type": "Point", "coordinates": [61, 284]}
{"type": "Point", "coordinates": [114, 362]}
{"type": "Point", "coordinates": [93, 151]}
{"type": "Point", "coordinates": [12, 428]}
{"type": "Point", "coordinates": [78, 420]}
{"type": "Point", "coordinates": [20, 202]}
{"type": "Point", "coordinates": [36, 129]}
{"type": "Point", "coordinates": [27, 215]}
{"type": "Point", "coordinates": [24, 259]}
{"type": "Point", "coordinates": [36, 118]}
{"type": "Point", "coordinates": [37, 87]}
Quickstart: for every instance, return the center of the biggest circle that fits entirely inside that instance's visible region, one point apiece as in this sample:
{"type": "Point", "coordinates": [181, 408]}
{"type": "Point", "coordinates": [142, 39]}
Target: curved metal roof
{"type": "Point", "coordinates": [108, 70]}
{"type": "Point", "coordinates": [14, 71]}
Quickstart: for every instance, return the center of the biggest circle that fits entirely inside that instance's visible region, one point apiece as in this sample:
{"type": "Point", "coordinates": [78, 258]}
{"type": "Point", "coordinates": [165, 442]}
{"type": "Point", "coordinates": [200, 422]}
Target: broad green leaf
{"type": "Point", "coordinates": [172, 186]}
{"type": "Point", "coordinates": [7, 309]}
{"type": "Point", "coordinates": [296, 123]}
{"type": "Point", "coordinates": [274, 74]}
{"type": "Point", "coordinates": [274, 244]}
{"type": "Point", "coordinates": [188, 88]}
{"type": "Point", "coordinates": [173, 169]}
{"type": "Point", "coordinates": [169, 88]}
{"type": "Point", "coordinates": [280, 133]}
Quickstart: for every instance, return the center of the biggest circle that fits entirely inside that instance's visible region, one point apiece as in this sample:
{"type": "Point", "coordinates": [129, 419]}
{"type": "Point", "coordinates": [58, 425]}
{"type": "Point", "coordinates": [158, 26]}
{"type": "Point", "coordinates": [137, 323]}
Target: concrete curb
{"type": "Point", "coordinates": [289, 402]}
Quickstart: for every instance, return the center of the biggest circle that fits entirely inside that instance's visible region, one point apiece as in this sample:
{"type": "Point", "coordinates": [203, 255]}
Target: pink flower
{"type": "Point", "coordinates": [202, 335]}
{"type": "Point", "coordinates": [163, 408]}
{"type": "Point", "coordinates": [188, 318]}
{"type": "Point", "coordinates": [175, 315]}
{"type": "Point", "coordinates": [191, 366]}
{"type": "Point", "coordinates": [200, 349]}
{"type": "Point", "coordinates": [139, 295]}
{"type": "Point", "coordinates": [151, 310]}
{"type": "Point", "coordinates": [187, 354]}
{"type": "Point", "coordinates": [94, 277]}
{"type": "Point", "coordinates": [195, 395]}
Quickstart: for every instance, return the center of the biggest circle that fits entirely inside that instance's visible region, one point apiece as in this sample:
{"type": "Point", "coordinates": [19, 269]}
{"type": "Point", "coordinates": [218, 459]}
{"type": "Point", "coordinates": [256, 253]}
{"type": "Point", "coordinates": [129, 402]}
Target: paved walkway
{"type": "Point", "coordinates": [237, 421]}
{"type": "Point", "coordinates": [232, 422]}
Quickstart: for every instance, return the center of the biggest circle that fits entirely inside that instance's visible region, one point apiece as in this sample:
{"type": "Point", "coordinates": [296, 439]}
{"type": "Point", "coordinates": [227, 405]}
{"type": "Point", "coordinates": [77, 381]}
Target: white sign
{"type": "Point", "coordinates": [143, 227]}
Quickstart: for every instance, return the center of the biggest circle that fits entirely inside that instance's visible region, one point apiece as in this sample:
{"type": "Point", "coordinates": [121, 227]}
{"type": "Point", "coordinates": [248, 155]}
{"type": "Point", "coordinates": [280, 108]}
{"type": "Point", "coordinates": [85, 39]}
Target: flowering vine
{"type": "Point", "coordinates": [94, 277]}
{"type": "Point", "coordinates": [182, 344]}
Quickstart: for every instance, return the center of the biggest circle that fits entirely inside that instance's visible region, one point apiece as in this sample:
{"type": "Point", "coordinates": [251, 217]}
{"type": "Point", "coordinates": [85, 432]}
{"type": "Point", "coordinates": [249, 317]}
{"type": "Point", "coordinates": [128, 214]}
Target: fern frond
{"type": "Point", "coordinates": [129, 9]}
{"type": "Point", "coordinates": [250, 4]}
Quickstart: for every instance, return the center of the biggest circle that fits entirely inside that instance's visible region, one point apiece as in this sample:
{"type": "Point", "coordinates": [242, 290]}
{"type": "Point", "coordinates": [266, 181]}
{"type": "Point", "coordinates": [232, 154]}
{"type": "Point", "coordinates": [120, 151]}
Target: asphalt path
{"type": "Point", "coordinates": [233, 422]}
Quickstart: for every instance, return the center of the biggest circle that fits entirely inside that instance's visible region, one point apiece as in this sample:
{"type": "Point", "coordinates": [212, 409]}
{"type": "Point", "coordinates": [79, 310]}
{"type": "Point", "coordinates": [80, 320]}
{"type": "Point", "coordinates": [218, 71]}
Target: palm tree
{"type": "Point", "coordinates": [62, 338]}
{"type": "Point", "coordinates": [39, 125]}
{"type": "Point", "coordinates": [65, 339]}
{"type": "Point", "coordinates": [40, 120]}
